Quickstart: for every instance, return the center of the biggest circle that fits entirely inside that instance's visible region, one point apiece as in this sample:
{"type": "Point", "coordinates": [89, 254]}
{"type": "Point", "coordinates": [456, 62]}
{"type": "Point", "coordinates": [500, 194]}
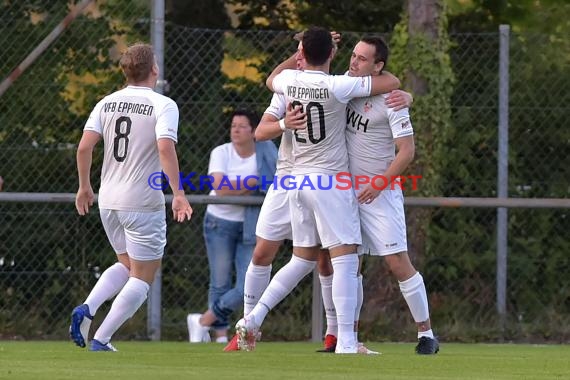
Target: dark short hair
{"type": "Point", "coordinates": [317, 45]}
{"type": "Point", "coordinates": [250, 114]}
{"type": "Point", "coordinates": [381, 47]}
{"type": "Point", "coordinates": [137, 62]}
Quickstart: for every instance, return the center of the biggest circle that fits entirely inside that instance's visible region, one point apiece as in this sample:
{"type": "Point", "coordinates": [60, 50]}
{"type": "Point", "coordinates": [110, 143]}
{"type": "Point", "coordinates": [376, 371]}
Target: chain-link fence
{"type": "Point", "coordinates": [50, 258]}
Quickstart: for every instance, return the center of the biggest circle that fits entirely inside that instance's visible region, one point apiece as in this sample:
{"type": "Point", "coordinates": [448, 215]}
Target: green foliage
{"type": "Point", "coordinates": [358, 16]}
{"type": "Point", "coordinates": [428, 60]}
{"type": "Point", "coordinates": [539, 113]}
{"type": "Point", "coordinates": [546, 16]}
{"type": "Point", "coordinates": [276, 14]}
{"type": "Point", "coordinates": [85, 47]}
{"type": "Point", "coordinates": [361, 16]}
{"type": "Point", "coordinates": [198, 13]}
{"type": "Point", "coordinates": [57, 256]}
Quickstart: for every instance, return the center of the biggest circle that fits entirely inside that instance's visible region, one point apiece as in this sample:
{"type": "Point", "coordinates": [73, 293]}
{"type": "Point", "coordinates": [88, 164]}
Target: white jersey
{"type": "Point", "coordinates": [321, 147]}
{"type": "Point", "coordinates": [277, 108]}
{"type": "Point", "coordinates": [225, 159]}
{"type": "Point", "coordinates": [131, 121]}
{"type": "Point", "coordinates": [371, 128]}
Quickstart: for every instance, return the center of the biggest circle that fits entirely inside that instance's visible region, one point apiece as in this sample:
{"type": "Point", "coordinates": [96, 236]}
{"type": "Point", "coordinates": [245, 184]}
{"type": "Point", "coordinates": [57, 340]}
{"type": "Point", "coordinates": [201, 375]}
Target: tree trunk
{"type": "Point", "coordinates": [381, 290]}
{"type": "Point", "coordinates": [423, 20]}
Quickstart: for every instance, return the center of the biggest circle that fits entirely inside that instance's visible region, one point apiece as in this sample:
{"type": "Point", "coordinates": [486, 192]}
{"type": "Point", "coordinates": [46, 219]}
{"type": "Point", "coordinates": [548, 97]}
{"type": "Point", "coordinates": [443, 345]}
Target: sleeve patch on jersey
{"type": "Point", "coordinates": [405, 124]}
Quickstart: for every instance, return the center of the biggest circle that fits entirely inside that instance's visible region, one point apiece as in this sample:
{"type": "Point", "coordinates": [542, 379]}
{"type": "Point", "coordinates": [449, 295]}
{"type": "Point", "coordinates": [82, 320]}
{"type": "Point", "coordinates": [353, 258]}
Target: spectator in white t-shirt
{"type": "Point", "coordinates": [229, 229]}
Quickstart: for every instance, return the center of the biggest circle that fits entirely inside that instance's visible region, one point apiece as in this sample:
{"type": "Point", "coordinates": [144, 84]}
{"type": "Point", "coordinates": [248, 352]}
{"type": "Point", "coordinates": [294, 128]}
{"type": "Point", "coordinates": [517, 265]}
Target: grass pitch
{"type": "Point", "coordinates": [176, 360]}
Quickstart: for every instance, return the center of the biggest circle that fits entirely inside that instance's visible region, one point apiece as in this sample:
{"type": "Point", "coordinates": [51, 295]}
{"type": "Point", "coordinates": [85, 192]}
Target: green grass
{"type": "Point", "coordinates": [173, 361]}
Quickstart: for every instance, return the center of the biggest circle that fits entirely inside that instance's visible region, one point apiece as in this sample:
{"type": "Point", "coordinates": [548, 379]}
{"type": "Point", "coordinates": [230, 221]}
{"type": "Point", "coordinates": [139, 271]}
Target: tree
{"type": "Point", "coordinates": [41, 118]}
{"type": "Point", "coordinates": [546, 16]}
{"type": "Point", "coordinates": [361, 16]}
{"type": "Point", "coordinates": [420, 47]}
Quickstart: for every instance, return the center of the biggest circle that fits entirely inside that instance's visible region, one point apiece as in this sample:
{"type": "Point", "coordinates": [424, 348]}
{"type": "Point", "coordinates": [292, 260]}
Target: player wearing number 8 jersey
{"type": "Point", "coordinates": [139, 130]}
{"type": "Point", "coordinates": [319, 153]}
{"type": "Point", "coordinates": [129, 133]}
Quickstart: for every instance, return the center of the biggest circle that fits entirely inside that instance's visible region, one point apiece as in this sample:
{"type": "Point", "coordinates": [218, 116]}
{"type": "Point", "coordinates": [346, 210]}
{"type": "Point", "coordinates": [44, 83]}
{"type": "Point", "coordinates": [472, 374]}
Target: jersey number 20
{"type": "Point", "coordinates": [121, 140]}
{"type": "Point", "coordinates": [310, 128]}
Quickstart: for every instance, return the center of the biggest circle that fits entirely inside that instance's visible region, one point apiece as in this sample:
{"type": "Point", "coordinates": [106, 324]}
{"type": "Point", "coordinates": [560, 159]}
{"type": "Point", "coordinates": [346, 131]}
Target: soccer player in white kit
{"type": "Point", "coordinates": [274, 223]}
{"type": "Point", "coordinates": [373, 131]}
{"type": "Point", "coordinates": [319, 154]}
{"type": "Point", "coordinates": [139, 131]}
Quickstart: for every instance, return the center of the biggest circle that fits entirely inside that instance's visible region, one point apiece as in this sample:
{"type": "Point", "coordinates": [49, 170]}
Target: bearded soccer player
{"type": "Point", "coordinates": [373, 133]}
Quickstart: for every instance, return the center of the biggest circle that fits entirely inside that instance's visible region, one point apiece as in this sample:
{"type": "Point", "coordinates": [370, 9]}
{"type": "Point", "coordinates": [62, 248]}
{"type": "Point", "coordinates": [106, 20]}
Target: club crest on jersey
{"type": "Point", "coordinates": [368, 106]}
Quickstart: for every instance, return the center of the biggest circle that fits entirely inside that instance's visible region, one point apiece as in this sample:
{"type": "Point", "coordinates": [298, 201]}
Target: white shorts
{"type": "Point", "coordinates": [327, 217]}
{"type": "Point", "coordinates": [142, 235]}
{"type": "Point", "coordinates": [274, 222]}
{"type": "Point", "coordinates": [383, 225]}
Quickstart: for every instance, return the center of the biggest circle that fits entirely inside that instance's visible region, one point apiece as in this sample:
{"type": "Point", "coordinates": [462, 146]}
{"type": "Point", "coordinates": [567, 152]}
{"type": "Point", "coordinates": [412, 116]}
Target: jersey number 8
{"type": "Point", "coordinates": [121, 140]}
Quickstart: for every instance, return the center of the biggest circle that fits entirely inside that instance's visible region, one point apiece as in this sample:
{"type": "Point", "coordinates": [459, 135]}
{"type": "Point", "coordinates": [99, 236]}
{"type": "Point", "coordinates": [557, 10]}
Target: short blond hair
{"type": "Point", "coordinates": [137, 62]}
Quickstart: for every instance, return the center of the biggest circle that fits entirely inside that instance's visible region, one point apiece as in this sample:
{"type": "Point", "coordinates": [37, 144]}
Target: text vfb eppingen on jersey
{"type": "Point", "coordinates": [340, 181]}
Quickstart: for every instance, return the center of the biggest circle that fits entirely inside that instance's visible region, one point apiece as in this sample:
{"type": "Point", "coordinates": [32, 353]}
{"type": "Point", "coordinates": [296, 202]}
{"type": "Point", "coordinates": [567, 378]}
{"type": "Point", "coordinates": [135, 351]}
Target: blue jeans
{"type": "Point", "coordinates": [225, 248]}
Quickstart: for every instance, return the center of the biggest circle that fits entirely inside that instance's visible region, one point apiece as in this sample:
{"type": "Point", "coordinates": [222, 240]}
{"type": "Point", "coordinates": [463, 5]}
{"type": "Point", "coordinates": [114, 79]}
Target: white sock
{"type": "Point", "coordinates": [359, 302]}
{"type": "Point", "coordinates": [344, 295]}
{"type": "Point", "coordinates": [414, 292]}
{"type": "Point", "coordinates": [222, 339]}
{"type": "Point", "coordinates": [128, 301]}
{"type": "Point", "coordinates": [284, 281]}
{"type": "Point", "coordinates": [109, 284]}
{"type": "Point", "coordinates": [427, 333]}
{"type": "Point", "coordinates": [256, 281]}
{"type": "Point", "coordinates": [330, 311]}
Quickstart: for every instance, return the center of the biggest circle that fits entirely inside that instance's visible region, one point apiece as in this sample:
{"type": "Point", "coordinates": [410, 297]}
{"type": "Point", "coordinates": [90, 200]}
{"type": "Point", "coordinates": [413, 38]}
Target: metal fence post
{"type": "Point", "coordinates": [154, 304]}
{"type": "Point", "coordinates": [317, 310]}
{"type": "Point", "coordinates": [503, 174]}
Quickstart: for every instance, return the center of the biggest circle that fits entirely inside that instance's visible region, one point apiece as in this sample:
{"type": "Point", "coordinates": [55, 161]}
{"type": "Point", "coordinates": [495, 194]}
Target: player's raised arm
{"type": "Point", "coordinates": [383, 83]}
{"type": "Point", "coordinates": [399, 99]}
{"type": "Point", "coordinates": [296, 61]}
{"type": "Point", "coordinates": [293, 62]}
{"type": "Point", "coordinates": [270, 127]}
{"type": "Point", "coordinates": [289, 64]}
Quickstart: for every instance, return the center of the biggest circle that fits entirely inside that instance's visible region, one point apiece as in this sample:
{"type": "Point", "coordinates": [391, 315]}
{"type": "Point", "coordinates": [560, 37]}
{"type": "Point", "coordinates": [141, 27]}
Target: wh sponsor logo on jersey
{"type": "Point", "coordinates": [356, 120]}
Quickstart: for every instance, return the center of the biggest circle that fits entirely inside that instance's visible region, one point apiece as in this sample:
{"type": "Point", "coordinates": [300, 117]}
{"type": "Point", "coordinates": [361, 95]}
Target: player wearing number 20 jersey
{"type": "Point", "coordinates": [321, 147]}
{"type": "Point", "coordinates": [130, 121]}
{"type": "Point", "coordinates": [319, 153]}
{"type": "Point", "coordinates": [328, 213]}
